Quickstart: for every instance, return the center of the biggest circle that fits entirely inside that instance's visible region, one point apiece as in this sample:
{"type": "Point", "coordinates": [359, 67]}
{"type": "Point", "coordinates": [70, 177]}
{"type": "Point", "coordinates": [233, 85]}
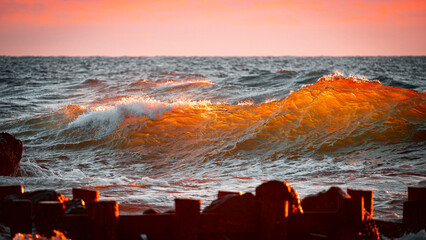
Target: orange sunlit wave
{"type": "Point", "coordinates": [333, 113]}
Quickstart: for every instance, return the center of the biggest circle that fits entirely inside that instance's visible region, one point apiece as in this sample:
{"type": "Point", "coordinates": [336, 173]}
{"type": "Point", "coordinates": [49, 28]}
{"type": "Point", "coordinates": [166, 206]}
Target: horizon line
{"type": "Point", "coordinates": [209, 56]}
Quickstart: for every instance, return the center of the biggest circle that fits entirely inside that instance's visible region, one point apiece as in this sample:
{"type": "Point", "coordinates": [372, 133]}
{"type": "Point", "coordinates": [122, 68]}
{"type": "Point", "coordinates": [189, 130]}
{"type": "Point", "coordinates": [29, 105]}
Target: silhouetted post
{"type": "Point", "coordinates": [88, 196]}
{"type": "Point", "coordinates": [358, 210]}
{"type": "Point", "coordinates": [416, 193]}
{"type": "Point", "coordinates": [187, 219]}
{"type": "Point", "coordinates": [21, 217]}
{"type": "Point", "coordinates": [103, 219]}
{"type": "Point", "coordinates": [6, 190]}
{"type": "Point", "coordinates": [226, 193]}
{"type": "Point", "coordinates": [414, 212]}
{"type": "Point", "coordinates": [368, 198]}
{"type": "Point", "coordinates": [350, 216]}
{"type": "Point", "coordinates": [273, 220]}
{"type": "Point", "coordinates": [49, 216]}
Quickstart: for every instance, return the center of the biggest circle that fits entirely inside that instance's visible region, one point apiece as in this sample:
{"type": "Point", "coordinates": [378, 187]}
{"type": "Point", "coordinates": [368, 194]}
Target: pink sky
{"type": "Point", "coordinates": [212, 27]}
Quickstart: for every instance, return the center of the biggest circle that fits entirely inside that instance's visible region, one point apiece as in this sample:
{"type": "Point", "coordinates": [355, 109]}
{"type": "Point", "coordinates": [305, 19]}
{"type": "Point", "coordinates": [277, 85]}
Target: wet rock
{"type": "Point", "coordinates": [390, 229]}
{"type": "Point", "coordinates": [150, 211]}
{"type": "Point", "coordinates": [329, 200]}
{"type": "Point", "coordinates": [277, 190]}
{"type": "Point", "coordinates": [34, 197]}
{"type": "Point", "coordinates": [75, 206]}
{"type": "Point", "coordinates": [244, 204]}
{"type": "Point", "coordinates": [10, 155]}
{"type": "Point", "coordinates": [171, 211]}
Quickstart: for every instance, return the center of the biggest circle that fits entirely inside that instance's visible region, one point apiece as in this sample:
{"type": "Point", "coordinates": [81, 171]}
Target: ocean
{"type": "Point", "coordinates": [146, 130]}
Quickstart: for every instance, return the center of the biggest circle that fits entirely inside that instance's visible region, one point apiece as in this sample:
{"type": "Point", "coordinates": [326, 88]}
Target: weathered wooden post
{"type": "Point", "coordinates": [187, 219]}
{"type": "Point", "coordinates": [5, 209]}
{"type": "Point", "coordinates": [6, 190]}
{"type": "Point", "coordinates": [88, 196]}
{"type": "Point", "coordinates": [21, 219]}
{"type": "Point", "coordinates": [49, 216]}
{"type": "Point", "coordinates": [414, 212]}
{"type": "Point", "coordinates": [273, 220]}
{"type": "Point", "coordinates": [368, 198]}
{"type": "Point", "coordinates": [103, 219]}
{"type": "Point", "coordinates": [349, 218]}
{"type": "Point", "coordinates": [417, 193]}
{"type": "Point", "coordinates": [358, 210]}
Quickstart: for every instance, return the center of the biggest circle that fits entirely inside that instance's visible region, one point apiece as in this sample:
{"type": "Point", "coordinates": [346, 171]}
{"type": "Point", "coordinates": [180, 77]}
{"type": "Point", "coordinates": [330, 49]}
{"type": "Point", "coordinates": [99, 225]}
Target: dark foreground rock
{"type": "Point", "coordinates": [332, 214]}
{"type": "Point", "coordinates": [244, 204]}
{"type": "Point", "coordinates": [329, 200]}
{"type": "Point", "coordinates": [10, 155]}
{"type": "Point", "coordinates": [277, 190]}
{"type": "Point", "coordinates": [34, 197]}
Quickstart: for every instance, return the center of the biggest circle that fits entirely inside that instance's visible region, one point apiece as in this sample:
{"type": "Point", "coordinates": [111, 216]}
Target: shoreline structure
{"type": "Point", "coordinates": [275, 212]}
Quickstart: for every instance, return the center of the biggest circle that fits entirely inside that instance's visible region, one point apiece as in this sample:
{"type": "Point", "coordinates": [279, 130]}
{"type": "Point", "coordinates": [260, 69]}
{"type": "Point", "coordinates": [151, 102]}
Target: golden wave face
{"type": "Point", "coordinates": [336, 112]}
{"type": "Point", "coordinates": [327, 116]}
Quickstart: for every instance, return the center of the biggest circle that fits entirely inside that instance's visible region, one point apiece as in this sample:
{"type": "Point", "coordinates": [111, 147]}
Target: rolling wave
{"type": "Point", "coordinates": [334, 114]}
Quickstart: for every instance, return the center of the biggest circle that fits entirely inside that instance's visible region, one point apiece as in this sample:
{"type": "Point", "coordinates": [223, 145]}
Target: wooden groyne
{"type": "Point", "coordinates": [101, 220]}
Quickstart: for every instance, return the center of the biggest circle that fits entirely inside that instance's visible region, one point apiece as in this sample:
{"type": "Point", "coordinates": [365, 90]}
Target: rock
{"type": "Point", "coordinates": [75, 206]}
{"type": "Point", "coordinates": [390, 229]}
{"type": "Point", "coordinates": [150, 211]}
{"type": "Point", "coordinates": [34, 197]}
{"type": "Point", "coordinates": [244, 204]}
{"type": "Point", "coordinates": [10, 155]}
{"type": "Point", "coordinates": [277, 190]}
{"type": "Point", "coordinates": [329, 200]}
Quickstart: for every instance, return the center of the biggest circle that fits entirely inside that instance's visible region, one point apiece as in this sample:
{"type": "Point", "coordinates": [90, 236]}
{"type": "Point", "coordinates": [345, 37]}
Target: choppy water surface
{"type": "Point", "coordinates": [144, 131]}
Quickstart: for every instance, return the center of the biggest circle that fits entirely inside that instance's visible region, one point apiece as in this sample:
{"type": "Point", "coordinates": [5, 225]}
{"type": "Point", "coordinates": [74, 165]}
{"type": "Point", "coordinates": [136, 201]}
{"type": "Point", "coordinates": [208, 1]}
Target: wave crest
{"type": "Point", "coordinates": [334, 114]}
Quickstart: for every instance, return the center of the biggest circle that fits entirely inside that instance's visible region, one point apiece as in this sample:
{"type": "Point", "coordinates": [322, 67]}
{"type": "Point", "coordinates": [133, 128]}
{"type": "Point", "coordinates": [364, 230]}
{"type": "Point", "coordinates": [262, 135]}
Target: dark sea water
{"type": "Point", "coordinates": [146, 130]}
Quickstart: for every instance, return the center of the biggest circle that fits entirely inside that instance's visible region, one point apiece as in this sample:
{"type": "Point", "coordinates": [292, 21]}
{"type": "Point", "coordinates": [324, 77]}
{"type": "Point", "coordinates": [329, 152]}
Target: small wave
{"type": "Point", "coordinates": [91, 83]}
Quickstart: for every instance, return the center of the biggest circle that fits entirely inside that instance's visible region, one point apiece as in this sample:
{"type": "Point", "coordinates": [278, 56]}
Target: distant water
{"type": "Point", "coordinates": [146, 130]}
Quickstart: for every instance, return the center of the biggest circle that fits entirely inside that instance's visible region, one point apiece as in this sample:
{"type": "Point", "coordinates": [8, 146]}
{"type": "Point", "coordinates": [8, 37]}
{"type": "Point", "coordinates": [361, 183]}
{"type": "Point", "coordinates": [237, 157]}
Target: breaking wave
{"type": "Point", "coordinates": [334, 114]}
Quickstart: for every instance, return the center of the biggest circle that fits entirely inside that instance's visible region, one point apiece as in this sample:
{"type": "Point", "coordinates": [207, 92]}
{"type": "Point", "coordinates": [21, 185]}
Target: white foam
{"type": "Point", "coordinates": [107, 118]}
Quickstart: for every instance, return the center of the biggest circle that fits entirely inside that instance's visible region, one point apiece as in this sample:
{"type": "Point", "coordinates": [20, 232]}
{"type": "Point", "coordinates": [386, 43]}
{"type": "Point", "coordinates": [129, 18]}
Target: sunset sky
{"type": "Point", "coordinates": [212, 27]}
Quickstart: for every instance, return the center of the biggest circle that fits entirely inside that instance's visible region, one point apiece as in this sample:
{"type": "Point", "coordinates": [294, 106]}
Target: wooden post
{"type": "Point", "coordinates": [225, 193]}
{"type": "Point", "coordinates": [6, 190]}
{"type": "Point", "coordinates": [88, 196]}
{"type": "Point", "coordinates": [21, 219]}
{"type": "Point", "coordinates": [368, 198]}
{"type": "Point", "coordinates": [416, 193]}
{"type": "Point", "coordinates": [414, 210]}
{"type": "Point", "coordinates": [350, 216]}
{"type": "Point", "coordinates": [103, 219]}
{"type": "Point", "coordinates": [76, 226]}
{"type": "Point", "coordinates": [358, 210]}
{"type": "Point", "coordinates": [187, 218]}
{"type": "Point", "coordinates": [414, 215]}
{"type": "Point", "coordinates": [49, 216]}
{"type": "Point", "coordinates": [273, 220]}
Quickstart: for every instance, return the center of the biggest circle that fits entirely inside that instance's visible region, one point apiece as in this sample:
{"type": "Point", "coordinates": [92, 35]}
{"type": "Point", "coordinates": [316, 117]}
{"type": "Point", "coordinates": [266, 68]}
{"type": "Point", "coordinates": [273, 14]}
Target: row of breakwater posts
{"type": "Point", "coordinates": [275, 213]}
